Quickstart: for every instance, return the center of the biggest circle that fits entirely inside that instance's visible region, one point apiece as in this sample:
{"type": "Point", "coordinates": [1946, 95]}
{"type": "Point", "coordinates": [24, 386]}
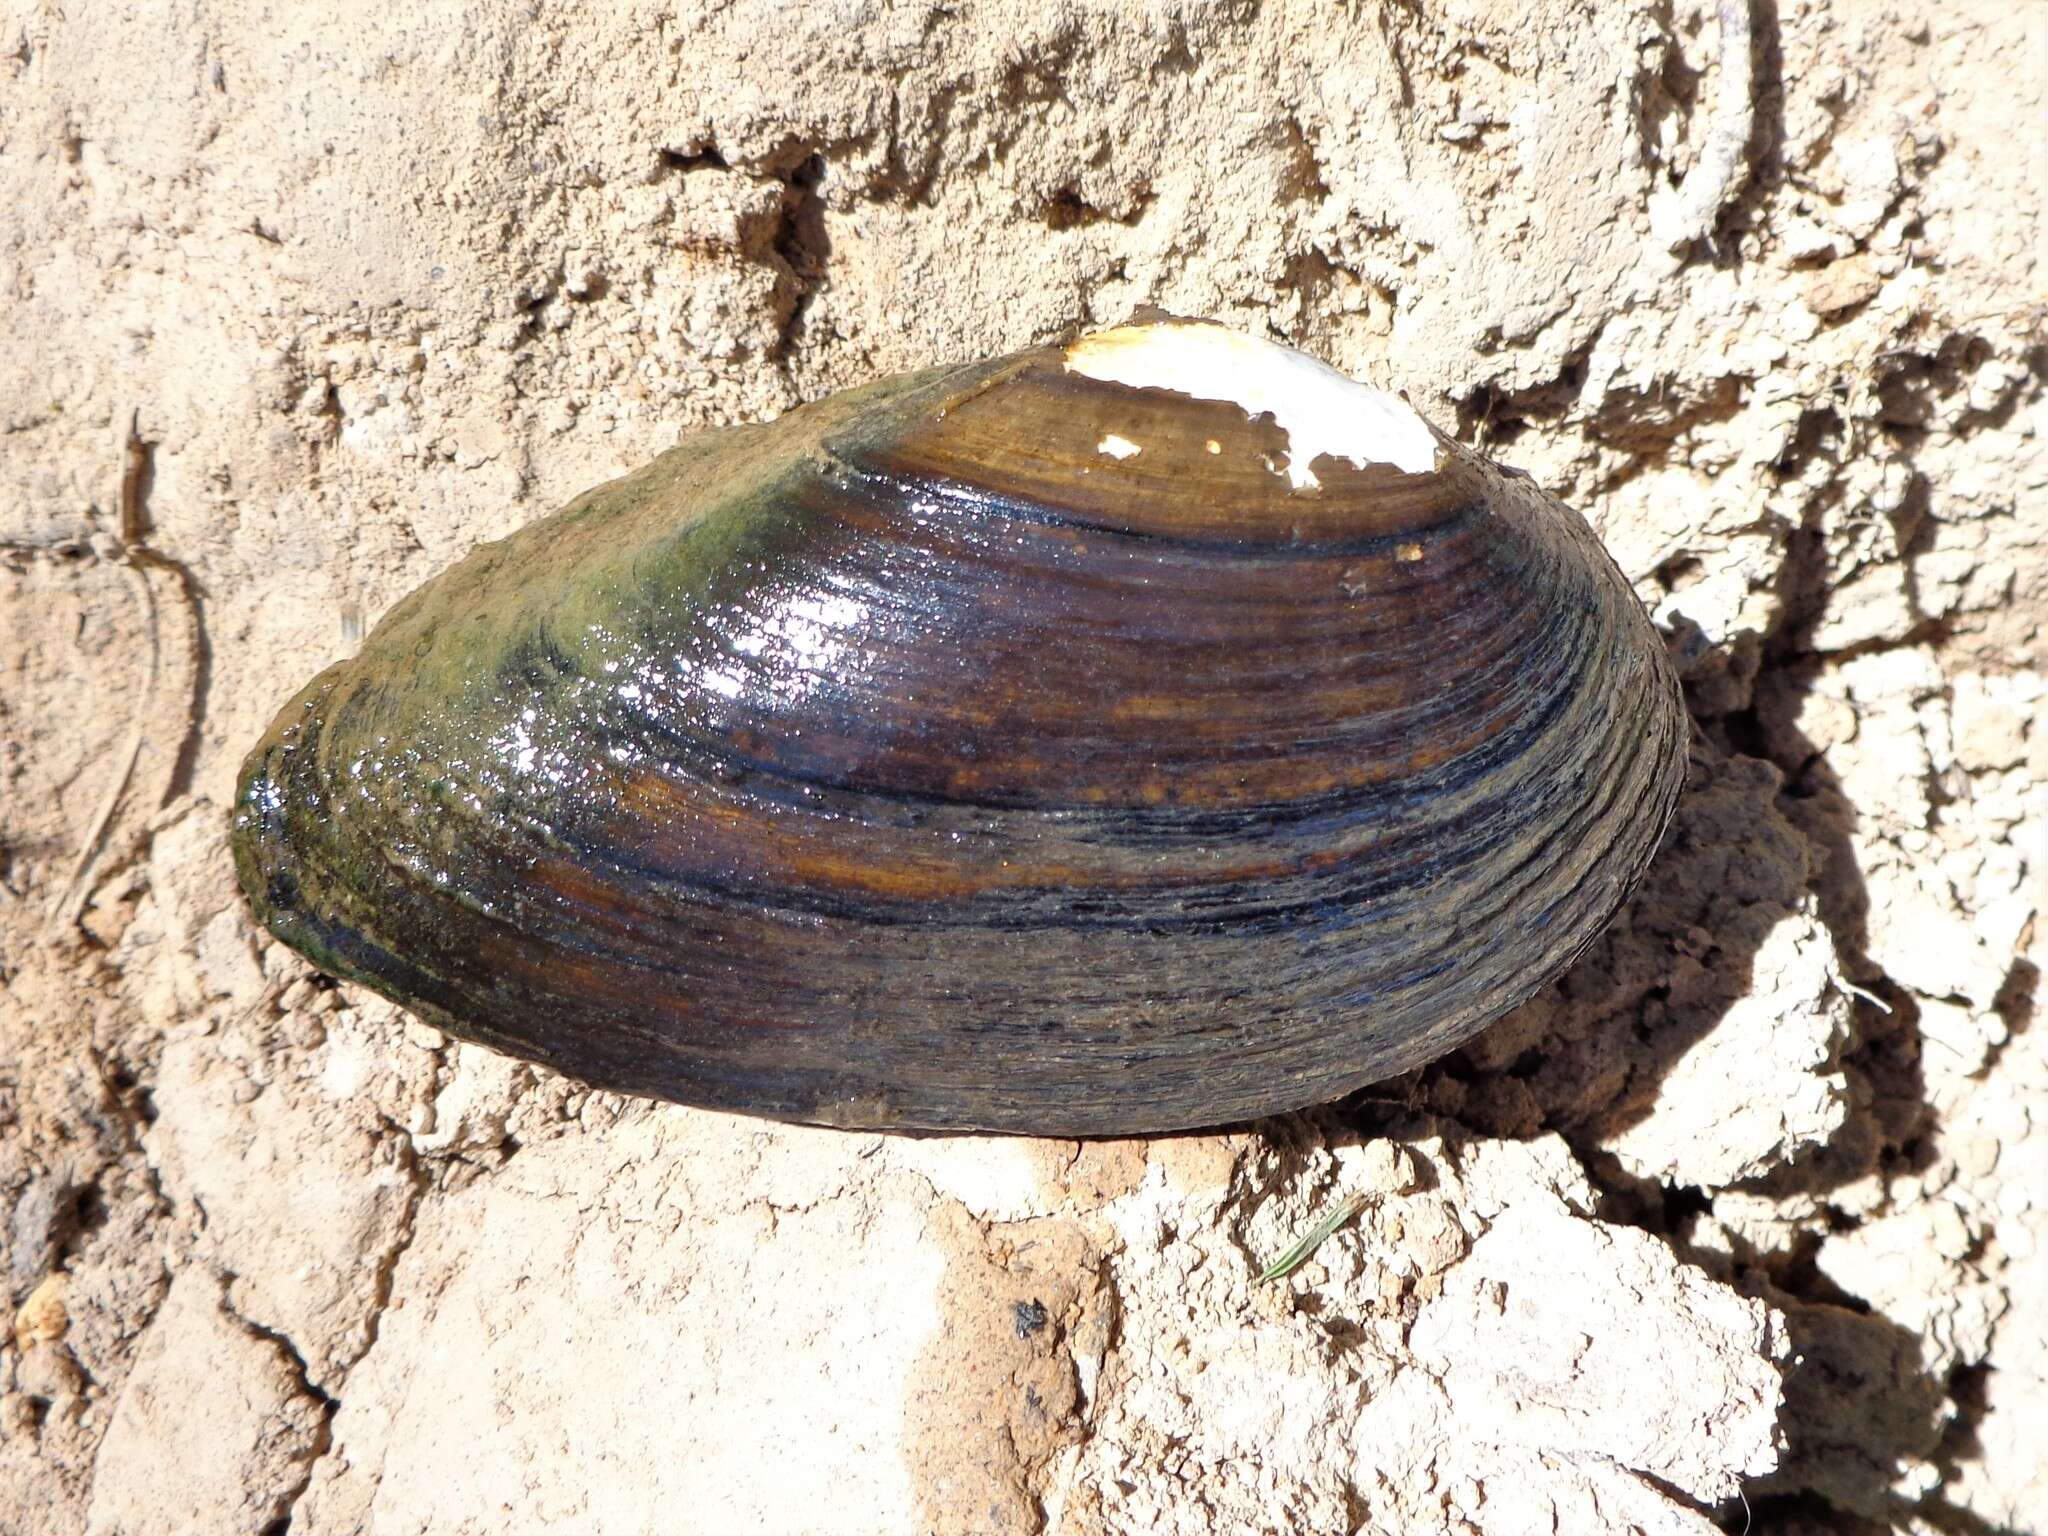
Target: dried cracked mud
{"type": "Point", "coordinates": [1742, 1224]}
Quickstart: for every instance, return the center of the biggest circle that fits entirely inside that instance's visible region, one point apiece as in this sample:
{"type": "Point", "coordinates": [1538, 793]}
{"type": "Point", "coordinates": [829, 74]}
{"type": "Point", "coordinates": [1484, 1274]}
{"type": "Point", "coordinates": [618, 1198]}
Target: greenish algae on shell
{"type": "Point", "coordinates": [998, 747]}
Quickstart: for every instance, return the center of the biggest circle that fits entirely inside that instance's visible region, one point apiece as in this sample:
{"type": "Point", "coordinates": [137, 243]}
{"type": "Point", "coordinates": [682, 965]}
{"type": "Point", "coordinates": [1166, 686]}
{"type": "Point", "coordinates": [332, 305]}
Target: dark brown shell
{"type": "Point", "coordinates": [917, 761]}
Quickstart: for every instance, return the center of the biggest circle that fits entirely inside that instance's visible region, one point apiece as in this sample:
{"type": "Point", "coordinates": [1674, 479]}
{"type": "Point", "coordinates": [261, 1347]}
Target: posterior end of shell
{"type": "Point", "coordinates": [1320, 410]}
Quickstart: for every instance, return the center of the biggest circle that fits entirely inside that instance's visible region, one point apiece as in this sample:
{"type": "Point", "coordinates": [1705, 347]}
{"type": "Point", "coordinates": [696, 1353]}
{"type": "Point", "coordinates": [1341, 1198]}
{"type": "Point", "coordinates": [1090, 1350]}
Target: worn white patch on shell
{"type": "Point", "coordinates": [1319, 409]}
{"type": "Point", "coordinates": [1117, 447]}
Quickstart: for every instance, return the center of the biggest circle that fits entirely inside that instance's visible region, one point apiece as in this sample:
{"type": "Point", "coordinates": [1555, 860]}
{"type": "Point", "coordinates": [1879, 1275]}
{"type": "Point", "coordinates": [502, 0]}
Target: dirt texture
{"type": "Point", "coordinates": [1742, 1224]}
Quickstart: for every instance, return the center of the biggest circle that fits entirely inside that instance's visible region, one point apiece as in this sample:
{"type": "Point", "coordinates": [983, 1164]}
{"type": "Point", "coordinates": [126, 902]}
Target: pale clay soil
{"type": "Point", "coordinates": [1743, 1224]}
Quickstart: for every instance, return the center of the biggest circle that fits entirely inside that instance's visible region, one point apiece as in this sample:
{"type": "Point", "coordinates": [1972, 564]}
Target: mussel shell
{"type": "Point", "coordinates": [995, 747]}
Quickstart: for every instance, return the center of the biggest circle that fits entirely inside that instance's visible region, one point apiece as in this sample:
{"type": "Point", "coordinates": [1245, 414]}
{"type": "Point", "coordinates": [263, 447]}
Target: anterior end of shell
{"type": "Point", "coordinates": [1319, 409]}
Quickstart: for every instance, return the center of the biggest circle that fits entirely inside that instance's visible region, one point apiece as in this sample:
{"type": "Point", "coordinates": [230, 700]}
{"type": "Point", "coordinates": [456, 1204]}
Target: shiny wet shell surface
{"type": "Point", "coordinates": [999, 748]}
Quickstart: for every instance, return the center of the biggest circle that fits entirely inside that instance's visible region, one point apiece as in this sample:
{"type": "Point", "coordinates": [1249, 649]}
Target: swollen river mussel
{"type": "Point", "coordinates": [1150, 732]}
